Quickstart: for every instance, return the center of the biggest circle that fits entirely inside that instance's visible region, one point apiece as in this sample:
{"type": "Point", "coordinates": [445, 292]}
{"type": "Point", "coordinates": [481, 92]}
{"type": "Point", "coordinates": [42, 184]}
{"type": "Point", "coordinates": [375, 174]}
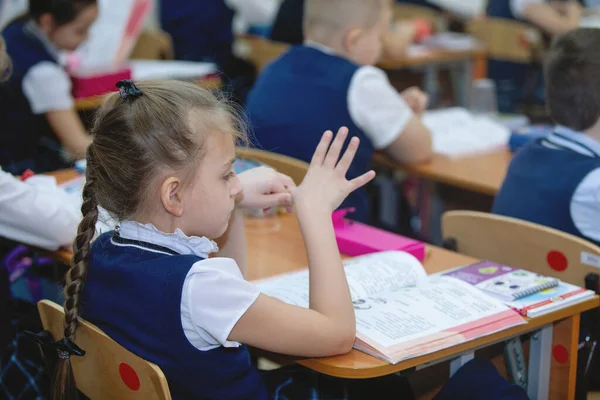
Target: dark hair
{"type": "Point", "coordinates": [135, 139]}
{"type": "Point", "coordinates": [572, 76]}
{"type": "Point", "coordinates": [63, 11]}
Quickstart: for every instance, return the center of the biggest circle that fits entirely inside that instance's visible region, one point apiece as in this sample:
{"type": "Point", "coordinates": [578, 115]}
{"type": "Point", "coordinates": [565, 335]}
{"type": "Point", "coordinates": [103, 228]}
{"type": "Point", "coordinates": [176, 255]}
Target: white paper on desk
{"type": "Point", "coordinates": [160, 69]}
{"type": "Point", "coordinates": [415, 312]}
{"type": "Point", "coordinates": [456, 132]}
{"type": "Point", "coordinates": [367, 276]}
{"type": "Point", "coordinates": [451, 41]}
{"type": "Point", "coordinates": [113, 34]}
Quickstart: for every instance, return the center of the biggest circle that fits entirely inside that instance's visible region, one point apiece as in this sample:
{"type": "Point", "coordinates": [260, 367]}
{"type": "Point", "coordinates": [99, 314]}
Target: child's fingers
{"type": "Point", "coordinates": [361, 180]}
{"type": "Point", "coordinates": [348, 156]}
{"type": "Point", "coordinates": [276, 199]}
{"type": "Point", "coordinates": [321, 150]}
{"type": "Point", "coordinates": [336, 147]}
{"type": "Point", "coordinates": [286, 180]}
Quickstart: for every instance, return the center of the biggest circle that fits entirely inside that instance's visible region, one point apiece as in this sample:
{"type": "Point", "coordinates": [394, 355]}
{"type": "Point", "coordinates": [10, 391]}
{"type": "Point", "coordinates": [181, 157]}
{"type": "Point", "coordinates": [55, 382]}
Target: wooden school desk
{"type": "Point", "coordinates": [275, 246]}
{"type": "Point", "coordinates": [480, 173]}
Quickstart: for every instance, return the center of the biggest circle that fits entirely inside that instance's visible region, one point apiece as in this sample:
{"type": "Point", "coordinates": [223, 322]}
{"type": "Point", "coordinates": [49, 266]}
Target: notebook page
{"type": "Point", "coordinates": [159, 69]}
{"type": "Point", "coordinates": [417, 312]}
{"type": "Point", "coordinates": [456, 132]}
{"type": "Point", "coordinates": [367, 276]}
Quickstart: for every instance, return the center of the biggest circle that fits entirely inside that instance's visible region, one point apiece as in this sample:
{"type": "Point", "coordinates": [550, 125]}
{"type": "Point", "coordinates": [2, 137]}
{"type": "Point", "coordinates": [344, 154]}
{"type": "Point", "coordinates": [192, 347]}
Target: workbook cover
{"type": "Point", "coordinates": [501, 281]}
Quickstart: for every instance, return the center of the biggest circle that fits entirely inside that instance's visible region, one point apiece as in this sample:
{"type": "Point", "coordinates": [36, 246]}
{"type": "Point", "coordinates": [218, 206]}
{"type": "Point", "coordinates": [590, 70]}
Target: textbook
{"type": "Point", "coordinates": [549, 300]}
{"type": "Point", "coordinates": [400, 312]}
{"type": "Point", "coordinates": [501, 281]}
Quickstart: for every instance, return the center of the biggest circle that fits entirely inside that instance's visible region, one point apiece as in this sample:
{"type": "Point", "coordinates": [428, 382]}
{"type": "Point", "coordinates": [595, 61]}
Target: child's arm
{"type": "Point", "coordinates": [70, 131]}
{"type": "Point", "coordinates": [553, 20]}
{"type": "Point", "coordinates": [263, 188]}
{"type": "Point", "coordinates": [328, 327]}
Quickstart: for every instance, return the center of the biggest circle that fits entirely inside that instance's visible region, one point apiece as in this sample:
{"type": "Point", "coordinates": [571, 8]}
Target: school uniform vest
{"type": "Point", "coordinates": [540, 184]}
{"type": "Point", "coordinates": [201, 29]}
{"type": "Point", "coordinates": [297, 98]}
{"type": "Point", "coordinates": [133, 293]}
{"type": "Point", "coordinates": [21, 128]}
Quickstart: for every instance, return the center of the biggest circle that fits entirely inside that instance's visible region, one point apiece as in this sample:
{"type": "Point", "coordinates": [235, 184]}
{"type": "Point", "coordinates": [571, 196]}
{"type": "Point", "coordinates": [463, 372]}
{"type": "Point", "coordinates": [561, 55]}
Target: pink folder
{"type": "Point", "coordinates": [354, 238]}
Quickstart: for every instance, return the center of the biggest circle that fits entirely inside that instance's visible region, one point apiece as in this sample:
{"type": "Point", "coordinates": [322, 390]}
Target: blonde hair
{"type": "Point", "coordinates": [323, 17]}
{"type": "Point", "coordinates": [134, 140]}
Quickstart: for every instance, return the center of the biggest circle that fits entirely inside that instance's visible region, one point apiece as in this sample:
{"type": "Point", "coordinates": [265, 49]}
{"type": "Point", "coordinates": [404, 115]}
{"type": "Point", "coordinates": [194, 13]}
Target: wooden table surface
{"type": "Point", "coordinates": [275, 246]}
{"type": "Point", "coordinates": [480, 173]}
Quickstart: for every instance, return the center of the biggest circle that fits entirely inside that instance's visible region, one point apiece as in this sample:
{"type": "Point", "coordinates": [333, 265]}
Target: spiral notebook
{"type": "Point", "coordinates": [501, 281]}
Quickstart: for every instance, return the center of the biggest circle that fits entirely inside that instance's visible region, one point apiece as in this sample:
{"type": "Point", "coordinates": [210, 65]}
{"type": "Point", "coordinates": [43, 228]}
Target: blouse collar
{"type": "Point", "coordinates": [177, 241]}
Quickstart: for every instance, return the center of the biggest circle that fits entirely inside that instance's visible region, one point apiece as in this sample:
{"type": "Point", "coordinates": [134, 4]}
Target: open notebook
{"type": "Point", "coordinates": [457, 133]}
{"type": "Point", "coordinates": [400, 312]}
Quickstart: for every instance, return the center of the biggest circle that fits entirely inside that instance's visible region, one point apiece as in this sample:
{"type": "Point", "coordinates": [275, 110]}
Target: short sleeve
{"type": "Point", "coordinates": [585, 206]}
{"type": "Point", "coordinates": [215, 296]}
{"type": "Point", "coordinates": [376, 107]}
{"type": "Point", "coordinates": [47, 88]}
{"type": "Point", "coordinates": [518, 6]}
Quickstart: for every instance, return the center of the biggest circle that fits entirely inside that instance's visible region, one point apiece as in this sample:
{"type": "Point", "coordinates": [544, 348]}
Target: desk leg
{"type": "Point", "coordinates": [458, 362]}
{"type": "Point", "coordinates": [431, 84]}
{"type": "Point", "coordinates": [563, 374]}
{"type": "Point", "coordinates": [539, 364]}
{"type": "Point", "coordinates": [462, 76]}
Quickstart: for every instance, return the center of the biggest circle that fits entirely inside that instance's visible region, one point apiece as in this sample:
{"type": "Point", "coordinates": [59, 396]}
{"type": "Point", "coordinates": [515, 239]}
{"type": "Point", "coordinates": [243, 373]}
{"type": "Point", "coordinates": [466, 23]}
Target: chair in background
{"type": "Point", "coordinates": [107, 371]}
{"type": "Point", "coordinates": [513, 41]}
{"type": "Point", "coordinates": [535, 248]}
{"type": "Point", "coordinates": [292, 167]}
{"type": "Point", "coordinates": [260, 51]}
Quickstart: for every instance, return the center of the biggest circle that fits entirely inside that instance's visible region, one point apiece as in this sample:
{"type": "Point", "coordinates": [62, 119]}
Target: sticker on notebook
{"type": "Point", "coordinates": [593, 260]}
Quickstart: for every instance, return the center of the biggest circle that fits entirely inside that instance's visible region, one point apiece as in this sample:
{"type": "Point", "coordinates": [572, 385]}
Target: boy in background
{"type": "Point", "coordinates": [330, 81]}
{"type": "Point", "coordinates": [555, 181]}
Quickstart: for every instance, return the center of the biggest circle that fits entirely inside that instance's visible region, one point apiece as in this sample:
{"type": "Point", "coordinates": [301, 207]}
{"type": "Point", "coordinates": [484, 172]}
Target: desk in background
{"type": "Point", "coordinates": [275, 246]}
{"type": "Point", "coordinates": [480, 173]}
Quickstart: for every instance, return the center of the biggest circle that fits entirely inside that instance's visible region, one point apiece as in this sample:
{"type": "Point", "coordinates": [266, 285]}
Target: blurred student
{"type": "Point", "coordinates": [331, 81]}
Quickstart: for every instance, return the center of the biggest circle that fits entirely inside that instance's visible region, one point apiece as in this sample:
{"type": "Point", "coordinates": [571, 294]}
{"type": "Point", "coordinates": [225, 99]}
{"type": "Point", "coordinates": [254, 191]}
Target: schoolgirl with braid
{"type": "Point", "coordinates": [161, 163]}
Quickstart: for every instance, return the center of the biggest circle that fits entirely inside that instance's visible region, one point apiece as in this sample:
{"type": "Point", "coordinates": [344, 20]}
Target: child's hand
{"type": "Point", "coordinates": [325, 186]}
{"type": "Point", "coordinates": [416, 99]}
{"type": "Point", "coordinates": [264, 187]}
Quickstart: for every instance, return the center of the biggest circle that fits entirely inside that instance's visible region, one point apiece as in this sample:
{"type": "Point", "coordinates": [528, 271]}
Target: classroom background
{"type": "Point", "coordinates": [480, 68]}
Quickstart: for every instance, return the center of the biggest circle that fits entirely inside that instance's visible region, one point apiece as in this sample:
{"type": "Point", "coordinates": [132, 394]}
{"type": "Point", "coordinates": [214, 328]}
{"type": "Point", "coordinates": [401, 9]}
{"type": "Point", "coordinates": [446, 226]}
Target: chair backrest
{"type": "Point", "coordinates": [261, 51]}
{"type": "Point", "coordinates": [292, 167]}
{"type": "Point", "coordinates": [107, 371]}
{"type": "Point", "coordinates": [522, 244]}
{"type": "Point", "coordinates": [507, 40]}
{"type": "Point", "coordinates": [403, 11]}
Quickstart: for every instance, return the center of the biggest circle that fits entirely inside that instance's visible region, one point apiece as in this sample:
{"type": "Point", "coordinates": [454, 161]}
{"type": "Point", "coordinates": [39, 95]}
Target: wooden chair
{"type": "Point", "coordinates": [261, 51]}
{"type": "Point", "coordinates": [535, 248]}
{"type": "Point", "coordinates": [508, 40]}
{"type": "Point", "coordinates": [292, 167]}
{"type": "Point", "coordinates": [410, 11]}
{"type": "Point", "coordinates": [107, 371]}
{"type": "Point", "coordinates": [521, 244]}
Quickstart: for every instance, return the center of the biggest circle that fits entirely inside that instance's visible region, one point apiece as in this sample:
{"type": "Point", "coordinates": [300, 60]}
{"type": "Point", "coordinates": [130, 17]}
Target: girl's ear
{"type": "Point", "coordinates": [171, 196]}
{"type": "Point", "coordinates": [350, 39]}
{"type": "Point", "coordinates": [46, 23]}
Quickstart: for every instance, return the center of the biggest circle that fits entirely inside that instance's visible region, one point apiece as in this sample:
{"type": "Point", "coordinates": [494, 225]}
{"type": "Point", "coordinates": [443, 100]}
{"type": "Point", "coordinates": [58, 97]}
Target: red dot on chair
{"type": "Point", "coordinates": [560, 354]}
{"type": "Point", "coordinates": [129, 377]}
{"type": "Point", "coordinates": [557, 260]}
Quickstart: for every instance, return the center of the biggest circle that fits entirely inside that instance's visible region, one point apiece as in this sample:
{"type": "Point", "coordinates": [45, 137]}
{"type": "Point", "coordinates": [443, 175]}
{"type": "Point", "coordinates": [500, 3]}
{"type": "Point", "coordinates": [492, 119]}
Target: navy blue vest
{"type": "Point", "coordinates": [297, 98]}
{"type": "Point", "coordinates": [540, 184]}
{"type": "Point", "coordinates": [21, 128]}
{"type": "Point", "coordinates": [201, 29]}
{"type": "Point", "coordinates": [134, 295]}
